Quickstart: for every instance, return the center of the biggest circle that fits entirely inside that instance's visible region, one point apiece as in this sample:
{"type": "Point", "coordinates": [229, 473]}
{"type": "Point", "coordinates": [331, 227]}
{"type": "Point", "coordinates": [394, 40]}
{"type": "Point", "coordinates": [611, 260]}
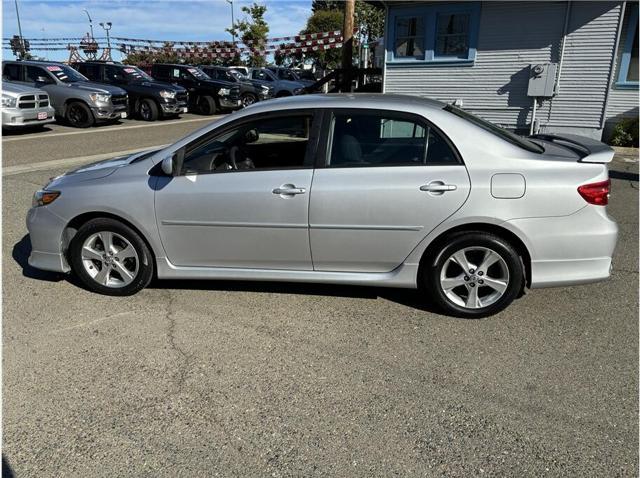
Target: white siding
{"type": "Point", "coordinates": [513, 35]}
{"type": "Point", "coordinates": [623, 103]}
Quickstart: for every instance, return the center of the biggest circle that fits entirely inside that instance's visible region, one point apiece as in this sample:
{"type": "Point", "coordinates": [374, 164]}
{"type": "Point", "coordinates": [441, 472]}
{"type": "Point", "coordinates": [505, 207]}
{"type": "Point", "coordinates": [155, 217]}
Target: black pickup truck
{"type": "Point", "coordinates": [206, 96]}
{"type": "Point", "coordinates": [249, 93]}
{"type": "Point", "coordinates": [148, 99]}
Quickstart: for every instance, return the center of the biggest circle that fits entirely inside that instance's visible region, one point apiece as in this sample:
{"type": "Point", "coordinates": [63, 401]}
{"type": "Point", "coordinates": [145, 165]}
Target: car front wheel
{"type": "Point", "coordinates": [474, 275]}
{"type": "Point", "coordinates": [79, 115]}
{"type": "Point", "coordinates": [110, 258]}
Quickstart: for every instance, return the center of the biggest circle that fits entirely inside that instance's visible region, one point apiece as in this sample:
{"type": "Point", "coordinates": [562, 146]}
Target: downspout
{"type": "Point", "coordinates": [612, 66]}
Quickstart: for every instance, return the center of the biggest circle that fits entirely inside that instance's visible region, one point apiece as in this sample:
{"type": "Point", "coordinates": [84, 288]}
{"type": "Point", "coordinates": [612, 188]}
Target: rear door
{"type": "Point", "coordinates": [387, 180]}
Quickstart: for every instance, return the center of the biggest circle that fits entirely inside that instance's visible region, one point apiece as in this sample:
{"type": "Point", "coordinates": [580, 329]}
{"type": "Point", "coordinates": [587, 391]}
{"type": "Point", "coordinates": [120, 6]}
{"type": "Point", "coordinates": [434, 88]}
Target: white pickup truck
{"type": "Point", "coordinates": [24, 106]}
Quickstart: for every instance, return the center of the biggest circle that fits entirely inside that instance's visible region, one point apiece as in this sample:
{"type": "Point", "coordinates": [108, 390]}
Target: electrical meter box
{"type": "Point", "coordinates": [542, 80]}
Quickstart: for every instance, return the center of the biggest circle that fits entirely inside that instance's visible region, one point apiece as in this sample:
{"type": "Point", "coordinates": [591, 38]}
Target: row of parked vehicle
{"type": "Point", "coordinates": [35, 93]}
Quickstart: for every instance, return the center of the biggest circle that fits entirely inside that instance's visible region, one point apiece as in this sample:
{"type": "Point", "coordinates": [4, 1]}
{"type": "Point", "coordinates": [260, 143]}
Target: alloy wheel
{"type": "Point", "coordinates": [248, 100]}
{"type": "Point", "coordinates": [110, 259]}
{"type": "Point", "coordinates": [145, 111]}
{"type": "Point", "coordinates": [474, 277]}
{"type": "Point", "coordinates": [77, 114]}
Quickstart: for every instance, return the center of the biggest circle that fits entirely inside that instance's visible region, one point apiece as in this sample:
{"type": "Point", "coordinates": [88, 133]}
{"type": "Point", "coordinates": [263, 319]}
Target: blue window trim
{"type": "Point", "coordinates": [429, 15]}
{"type": "Point", "coordinates": [626, 53]}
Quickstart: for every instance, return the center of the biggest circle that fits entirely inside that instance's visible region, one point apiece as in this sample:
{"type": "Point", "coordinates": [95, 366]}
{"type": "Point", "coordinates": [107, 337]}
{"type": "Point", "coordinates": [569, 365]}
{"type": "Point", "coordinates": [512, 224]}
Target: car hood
{"type": "Point", "coordinates": [97, 87]}
{"type": "Point", "coordinates": [161, 85]}
{"type": "Point", "coordinates": [97, 170]}
{"type": "Point", "coordinates": [14, 89]}
{"type": "Point", "coordinates": [217, 83]}
{"type": "Point", "coordinates": [290, 84]}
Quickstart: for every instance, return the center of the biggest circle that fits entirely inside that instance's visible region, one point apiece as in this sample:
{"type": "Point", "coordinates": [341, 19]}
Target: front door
{"type": "Point", "coordinates": [243, 197]}
{"type": "Point", "coordinates": [389, 179]}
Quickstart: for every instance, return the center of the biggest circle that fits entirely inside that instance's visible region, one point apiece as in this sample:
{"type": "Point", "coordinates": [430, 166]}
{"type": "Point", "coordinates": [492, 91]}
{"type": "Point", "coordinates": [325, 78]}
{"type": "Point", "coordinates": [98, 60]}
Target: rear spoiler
{"type": "Point", "coordinates": [589, 150]}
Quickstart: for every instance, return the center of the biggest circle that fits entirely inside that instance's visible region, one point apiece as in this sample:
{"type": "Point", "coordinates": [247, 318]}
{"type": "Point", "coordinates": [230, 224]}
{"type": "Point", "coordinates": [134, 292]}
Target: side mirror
{"type": "Point", "coordinates": [172, 165]}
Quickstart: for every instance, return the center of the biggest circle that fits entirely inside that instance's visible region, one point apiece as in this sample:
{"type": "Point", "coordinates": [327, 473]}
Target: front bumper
{"type": "Point", "coordinates": [46, 234]}
{"type": "Point", "coordinates": [230, 103]}
{"type": "Point", "coordinates": [569, 250]}
{"type": "Point", "coordinates": [174, 108]}
{"type": "Point", "coordinates": [109, 111]}
{"type": "Point", "coordinates": [22, 117]}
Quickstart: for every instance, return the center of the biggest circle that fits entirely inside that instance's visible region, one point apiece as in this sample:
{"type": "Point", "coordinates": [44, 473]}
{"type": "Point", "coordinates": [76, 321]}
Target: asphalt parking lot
{"type": "Point", "coordinates": [256, 379]}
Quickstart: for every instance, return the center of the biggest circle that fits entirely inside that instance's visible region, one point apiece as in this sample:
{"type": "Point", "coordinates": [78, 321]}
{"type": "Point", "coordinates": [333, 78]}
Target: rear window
{"type": "Point", "coordinates": [496, 130]}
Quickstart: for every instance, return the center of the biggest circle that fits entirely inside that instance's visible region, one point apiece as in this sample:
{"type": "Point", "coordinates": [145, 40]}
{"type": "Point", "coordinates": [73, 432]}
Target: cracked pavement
{"type": "Point", "coordinates": [253, 379]}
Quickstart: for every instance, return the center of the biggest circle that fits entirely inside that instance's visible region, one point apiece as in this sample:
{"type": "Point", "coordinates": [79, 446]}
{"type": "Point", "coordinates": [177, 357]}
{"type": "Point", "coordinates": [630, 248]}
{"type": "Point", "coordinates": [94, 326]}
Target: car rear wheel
{"type": "Point", "coordinates": [206, 105]}
{"type": "Point", "coordinates": [248, 99]}
{"type": "Point", "coordinates": [474, 275]}
{"type": "Point", "coordinates": [148, 110]}
{"type": "Point", "coordinates": [79, 115]}
{"type": "Point", "coordinates": [110, 258]}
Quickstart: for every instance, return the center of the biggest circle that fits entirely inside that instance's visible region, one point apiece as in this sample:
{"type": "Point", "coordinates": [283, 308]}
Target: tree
{"type": "Point", "coordinates": [253, 32]}
{"type": "Point", "coordinates": [325, 21]}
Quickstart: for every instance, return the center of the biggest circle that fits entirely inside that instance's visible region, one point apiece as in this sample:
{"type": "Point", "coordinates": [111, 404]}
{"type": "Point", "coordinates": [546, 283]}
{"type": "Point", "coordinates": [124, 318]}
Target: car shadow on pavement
{"type": "Point", "coordinates": [7, 472]}
{"type": "Point", "coordinates": [409, 297]}
{"type": "Point", "coordinates": [20, 254]}
{"type": "Point", "coordinates": [624, 175]}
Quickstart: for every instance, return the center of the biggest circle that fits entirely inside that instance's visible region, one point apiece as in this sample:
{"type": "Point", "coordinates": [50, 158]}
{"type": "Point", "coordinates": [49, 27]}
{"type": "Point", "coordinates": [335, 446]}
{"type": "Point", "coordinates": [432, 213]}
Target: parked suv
{"type": "Point", "coordinates": [24, 106]}
{"type": "Point", "coordinates": [264, 76]}
{"type": "Point", "coordinates": [148, 99]}
{"type": "Point", "coordinates": [249, 93]}
{"type": "Point", "coordinates": [75, 99]}
{"type": "Point", "coordinates": [206, 96]}
{"type": "Point", "coordinates": [290, 75]}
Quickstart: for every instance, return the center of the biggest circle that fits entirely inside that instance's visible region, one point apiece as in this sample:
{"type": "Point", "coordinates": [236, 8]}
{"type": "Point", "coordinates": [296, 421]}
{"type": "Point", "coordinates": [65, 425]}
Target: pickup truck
{"type": "Point", "coordinates": [23, 106]}
{"type": "Point", "coordinates": [148, 99]}
{"type": "Point", "coordinates": [206, 96]}
{"type": "Point", "coordinates": [264, 76]}
{"type": "Point", "coordinates": [249, 93]}
{"type": "Point", "coordinates": [77, 100]}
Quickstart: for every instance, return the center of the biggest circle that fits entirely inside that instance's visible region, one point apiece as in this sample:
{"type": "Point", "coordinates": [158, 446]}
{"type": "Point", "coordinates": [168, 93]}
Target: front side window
{"type": "Point", "coordinates": [269, 143]}
{"type": "Point", "coordinates": [409, 37]}
{"type": "Point", "coordinates": [36, 74]}
{"type": "Point", "coordinates": [380, 139]}
{"type": "Point", "coordinates": [452, 37]}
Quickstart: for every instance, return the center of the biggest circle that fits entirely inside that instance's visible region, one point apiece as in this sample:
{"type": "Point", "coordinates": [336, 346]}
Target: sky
{"type": "Point", "coordinates": [190, 20]}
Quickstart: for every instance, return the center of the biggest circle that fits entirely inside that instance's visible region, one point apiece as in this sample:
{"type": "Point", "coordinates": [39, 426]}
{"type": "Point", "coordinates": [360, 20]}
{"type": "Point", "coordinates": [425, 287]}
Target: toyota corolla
{"type": "Point", "coordinates": [355, 189]}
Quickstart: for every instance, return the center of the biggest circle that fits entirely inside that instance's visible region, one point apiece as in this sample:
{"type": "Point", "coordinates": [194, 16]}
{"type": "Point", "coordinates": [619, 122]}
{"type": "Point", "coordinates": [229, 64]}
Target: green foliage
{"type": "Point", "coordinates": [625, 133]}
{"type": "Point", "coordinates": [253, 31]}
{"type": "Point", "coordinates": [325, 21]}
{"type": "Point", "coordinates": [369, 19]}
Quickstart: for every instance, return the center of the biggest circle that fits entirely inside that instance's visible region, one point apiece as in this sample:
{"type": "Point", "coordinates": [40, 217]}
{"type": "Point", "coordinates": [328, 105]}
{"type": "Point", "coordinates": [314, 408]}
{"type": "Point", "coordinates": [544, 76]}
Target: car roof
{"type": "Point", "coordinates": [34, 62]}
{"type": "Point", "coordinates": [349, 100]}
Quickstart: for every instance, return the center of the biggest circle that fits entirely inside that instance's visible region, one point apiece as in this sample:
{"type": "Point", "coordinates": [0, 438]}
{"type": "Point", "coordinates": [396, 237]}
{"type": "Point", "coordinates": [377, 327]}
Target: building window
{"type": "Point", "coordinates": [432, 34]}
{"type": "Point", "coordinates": [628, 74]}
{"type": "Point", "coordinates": [409, 37]}
{"type": "Point", "coordinates": [452, 37]}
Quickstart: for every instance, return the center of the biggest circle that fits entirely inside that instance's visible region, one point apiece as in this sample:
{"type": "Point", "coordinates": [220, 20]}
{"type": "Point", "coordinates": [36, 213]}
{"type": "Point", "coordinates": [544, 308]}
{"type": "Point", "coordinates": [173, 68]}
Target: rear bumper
{"type": "Point", "coordinates": [569, 250]}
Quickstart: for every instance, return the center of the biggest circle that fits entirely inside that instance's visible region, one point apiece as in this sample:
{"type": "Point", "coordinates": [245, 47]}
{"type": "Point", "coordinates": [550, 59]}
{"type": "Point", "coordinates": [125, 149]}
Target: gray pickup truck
{"type": "Point", "coordinates": [78, 101]}
{"type": "Point", "coordinates": [23, 106]}
{"type": "Point", "coordinates": [264, 76]}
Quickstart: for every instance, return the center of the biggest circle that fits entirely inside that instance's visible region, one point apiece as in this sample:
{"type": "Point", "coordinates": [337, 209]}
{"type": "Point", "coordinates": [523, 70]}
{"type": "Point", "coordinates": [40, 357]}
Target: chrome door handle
{"type": "Point", "coordinates": [289, 190]}
{"type": "Point", "coordinates": [438, 187]}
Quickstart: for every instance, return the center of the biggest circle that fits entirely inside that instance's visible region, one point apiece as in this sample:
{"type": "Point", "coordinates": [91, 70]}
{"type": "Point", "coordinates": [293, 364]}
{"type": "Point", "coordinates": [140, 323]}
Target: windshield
{"type": "Point", "coordinates": [66, 74]}
{"type": "Point", "coordinates": [135, 73]}
{"type": "Point", "coordinates": [198, 73]}
{"type": "Point", "coordinates": [496, 130]}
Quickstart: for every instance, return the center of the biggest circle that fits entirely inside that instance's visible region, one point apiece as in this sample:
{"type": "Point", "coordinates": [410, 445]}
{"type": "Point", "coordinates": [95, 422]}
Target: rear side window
{"type": "Point", "coordinates": [379, 139]}
{"type": "Point", "coordinates": [161, 71]}
{"type": "Point", "coordinates": [11, 72]}
{"type": "Point", "coordinates": [90, 71]}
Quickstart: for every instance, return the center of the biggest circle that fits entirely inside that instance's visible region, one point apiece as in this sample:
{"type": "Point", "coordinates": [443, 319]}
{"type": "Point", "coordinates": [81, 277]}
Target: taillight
{"type": "Point", "coordinates": [596, 193]}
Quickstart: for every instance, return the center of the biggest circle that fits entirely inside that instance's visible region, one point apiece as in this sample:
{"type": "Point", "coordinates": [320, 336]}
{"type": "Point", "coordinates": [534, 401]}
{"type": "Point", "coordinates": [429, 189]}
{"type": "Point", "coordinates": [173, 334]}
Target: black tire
{"type": "Point", "coordinates": [148, 110]}
{"type": "Point", "coordinates": [475, 243]}
{"type": "Point", "coordinates": [206, 105]}
{"type": "Point", "coordinates": [79, 115]}
{"type": "Point", "coordinates": [248, 99]}
{"type": "Point", "coordinates": [145, 266]}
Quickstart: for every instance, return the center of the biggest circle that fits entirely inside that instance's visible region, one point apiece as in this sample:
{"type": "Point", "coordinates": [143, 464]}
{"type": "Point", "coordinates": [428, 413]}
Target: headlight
{"type": "Point", "coordinates": [8, 101]}
{"type": "Point", "coordinates": [100, 97]}
{"type": "Point", "coordinates": [43, 197]}
{"type": "Point", "coordinates": [224, 91]}
{"type": "Point", "coordinates": [168, 94]}
{"type": "Point", "coordinates": [297, 91]}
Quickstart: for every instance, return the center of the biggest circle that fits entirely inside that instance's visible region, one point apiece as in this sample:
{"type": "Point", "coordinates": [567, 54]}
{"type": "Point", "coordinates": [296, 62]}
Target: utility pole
{"type": "Point", "coordinates": [22, 49]}
{"type": "Point", "coordinates": [347, 44]}
{"type": "Point", "coordinates": [233, 35]}
{"type": "Point", "coordinates": [107, 27]}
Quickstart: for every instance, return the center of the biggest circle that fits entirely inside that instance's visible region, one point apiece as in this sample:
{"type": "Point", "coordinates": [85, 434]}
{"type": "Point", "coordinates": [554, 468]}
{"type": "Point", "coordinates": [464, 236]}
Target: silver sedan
{"type": "Point", "coordinates": [377, 190]}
